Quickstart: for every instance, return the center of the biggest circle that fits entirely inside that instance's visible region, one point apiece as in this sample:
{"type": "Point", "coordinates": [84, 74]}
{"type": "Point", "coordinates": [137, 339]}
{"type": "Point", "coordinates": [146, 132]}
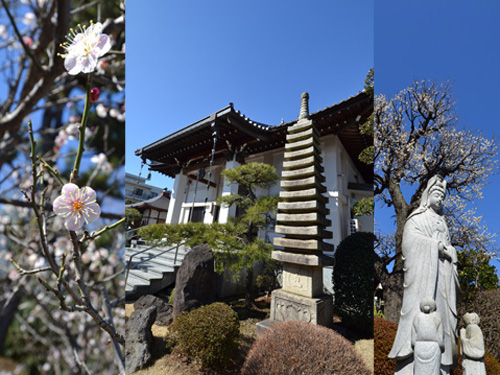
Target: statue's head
{"type": "Point", "coordinates": [427, 305]}
{"type": "Point", "coordinates": [471, 318]}
{"type": "Point", "coordinates": [434, 194]}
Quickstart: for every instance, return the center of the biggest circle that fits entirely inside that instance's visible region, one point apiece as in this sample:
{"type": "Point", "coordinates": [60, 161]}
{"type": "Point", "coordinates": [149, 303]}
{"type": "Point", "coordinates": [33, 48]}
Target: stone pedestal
{"type": "Point", "coordinates": [287, 306]}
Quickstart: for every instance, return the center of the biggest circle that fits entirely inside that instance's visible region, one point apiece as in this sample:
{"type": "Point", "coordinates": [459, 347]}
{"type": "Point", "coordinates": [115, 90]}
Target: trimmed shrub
{"type": "Point", "coordinates": [353, 281]}
{"type": "Point", "coordinates": [492, 364]}
{"type": "Point", "coordinates": [193, 233]}
{"type": "Point", "coordinates": [384, 335]}
{"type": "Point", "coordinates": [384, 332]}
{"type": "Point", "coordinates": [208, 334]}
{"type": "Point", "coordinates": [302, 348]}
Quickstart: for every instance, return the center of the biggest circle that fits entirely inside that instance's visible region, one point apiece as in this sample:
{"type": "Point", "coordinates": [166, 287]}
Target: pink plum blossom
{"type": "Point", "coordinates": [84, 48]}
{"type": "Point", "coordinates": [77, 206]}
{"type": "Point", "coordinates": [28, 41]}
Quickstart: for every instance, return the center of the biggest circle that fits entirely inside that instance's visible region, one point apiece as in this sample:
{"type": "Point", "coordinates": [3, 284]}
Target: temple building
{"type": "Point", "coordinates": [196, 154]}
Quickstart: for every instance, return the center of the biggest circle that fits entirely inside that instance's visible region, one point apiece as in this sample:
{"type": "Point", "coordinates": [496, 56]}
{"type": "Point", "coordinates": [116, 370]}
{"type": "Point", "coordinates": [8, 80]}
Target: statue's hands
{"type": "Point", "coordinates": [462, 333]}
{"type": "Point", "coordinates": [444, 252]}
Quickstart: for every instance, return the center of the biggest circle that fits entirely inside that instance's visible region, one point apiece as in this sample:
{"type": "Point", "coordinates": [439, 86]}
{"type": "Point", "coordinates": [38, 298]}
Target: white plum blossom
{"type": "Point", "coordinates": [114, 112]}
{"type": "Point", "coordinates": [3, 32]}
{"type": "Point", "coordinates": [101, 110]}
{"type": "Point", "coordinates": [102, 162]}
{"type": "Point", "coordinates": [77, 206]}
{"type": "Point", "coordinates": [70, 133]}
{"type": "Point", "coordinates": [84, 48]}
{"type": "Point", "coordinates": [29, 18]}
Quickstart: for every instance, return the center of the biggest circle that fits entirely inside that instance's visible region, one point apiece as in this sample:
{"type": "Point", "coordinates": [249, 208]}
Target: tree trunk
{"type": "Point", "coordinates": [8, 308]}
{"type": "Point", "coordinates": [393, 283]}
{"type": "Point", "coordinates": [249, 292]}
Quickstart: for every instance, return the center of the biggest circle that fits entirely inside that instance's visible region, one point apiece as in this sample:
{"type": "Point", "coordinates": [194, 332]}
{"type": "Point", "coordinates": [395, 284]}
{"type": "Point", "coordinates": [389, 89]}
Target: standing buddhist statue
{"type": "Point", "coordinates": [430, 264]}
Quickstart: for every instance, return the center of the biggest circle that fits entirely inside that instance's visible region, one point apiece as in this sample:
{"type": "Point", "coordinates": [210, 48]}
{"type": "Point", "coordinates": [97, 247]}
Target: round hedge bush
{"type": "Point", "coordinates": [208, 334]}
{"type": "Point", "coordinates": [302, 348]}
{"type": "Point", "coordinates": [384, 335]}
{"type": "Point", "coordinates": [353, 281]}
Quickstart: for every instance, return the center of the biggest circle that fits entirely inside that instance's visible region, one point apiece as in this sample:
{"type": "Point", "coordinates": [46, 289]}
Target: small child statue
{"type": "Point", "coordinates": [427, 339]}
{"type": "Point", "coordinates": [472, 346]}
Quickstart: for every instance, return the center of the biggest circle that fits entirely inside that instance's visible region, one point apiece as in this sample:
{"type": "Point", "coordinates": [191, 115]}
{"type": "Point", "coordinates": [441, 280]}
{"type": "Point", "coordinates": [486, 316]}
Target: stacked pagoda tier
{"type": "Point", "coordinates": [302, 207]}
{"type": "Point", "coordinates": [302, 220]}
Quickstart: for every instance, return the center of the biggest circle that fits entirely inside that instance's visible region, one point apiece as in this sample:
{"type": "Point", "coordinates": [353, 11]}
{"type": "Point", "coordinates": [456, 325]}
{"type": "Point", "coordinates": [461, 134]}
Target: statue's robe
{"type": "Point", "coordinates": [427, 341]}
{"type": "Point", "coordinates": [428, 275]}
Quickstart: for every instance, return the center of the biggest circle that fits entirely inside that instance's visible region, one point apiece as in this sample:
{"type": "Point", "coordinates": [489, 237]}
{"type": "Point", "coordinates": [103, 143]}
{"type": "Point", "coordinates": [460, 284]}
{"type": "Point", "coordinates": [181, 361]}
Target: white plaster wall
{"type": "Point", "coordinates": [339, 171]}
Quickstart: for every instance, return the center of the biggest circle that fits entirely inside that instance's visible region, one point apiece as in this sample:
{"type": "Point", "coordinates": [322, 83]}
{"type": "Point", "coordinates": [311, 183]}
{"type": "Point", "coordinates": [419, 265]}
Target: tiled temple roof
{"type": "Point", "coordinates": [191, 147]}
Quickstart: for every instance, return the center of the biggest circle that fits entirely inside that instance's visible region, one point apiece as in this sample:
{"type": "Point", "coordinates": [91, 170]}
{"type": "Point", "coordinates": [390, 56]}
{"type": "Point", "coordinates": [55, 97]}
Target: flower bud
{"type": "Point", "coordinates": [94, 95]}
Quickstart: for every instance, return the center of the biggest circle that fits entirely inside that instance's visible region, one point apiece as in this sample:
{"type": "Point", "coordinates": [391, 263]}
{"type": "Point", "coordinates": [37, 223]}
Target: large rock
{"type": "Point", "coordinates": [163, 309]}
{"type": "Point", "coordinates": [195, 281]}
{"type": "Point", "coordinates": [139, 339]}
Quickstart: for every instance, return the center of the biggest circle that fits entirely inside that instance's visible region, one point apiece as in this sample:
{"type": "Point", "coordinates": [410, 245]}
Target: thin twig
{"type": "Point", "coordinates": [81, 128]}
{"type": "Point", "coordinates": [94, 234]}
{"type": "Point", "coordinates": [120, 360]}
{"type": "Point", "coordinates": [52, 171]}
{"type": "Point", "coordinates": [22, 271]}
{"type": "Point", "coordinates": [20, 37]}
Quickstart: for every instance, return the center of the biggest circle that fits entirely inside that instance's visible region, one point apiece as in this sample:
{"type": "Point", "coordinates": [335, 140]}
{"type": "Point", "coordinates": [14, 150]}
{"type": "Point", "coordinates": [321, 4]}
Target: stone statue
{"type": "Point", "coordinates": [472, 346]}
{"type": "Point", "coordinates": [427, 339]}
{"type": "Point", "coordinates": [430, 270]}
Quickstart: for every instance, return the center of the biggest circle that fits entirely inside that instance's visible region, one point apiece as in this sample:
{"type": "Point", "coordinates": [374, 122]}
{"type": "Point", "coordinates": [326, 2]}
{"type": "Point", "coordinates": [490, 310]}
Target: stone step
{"type": "Point", "coordinates": [159, 264]}
{"type": "Point", "coordinates": [310, 231]}
{"type": "Point", "coordinates": [147, 254]}
{"type": "Point", "coordinates": [155, 251]}
{"type": "Point", "coordinates": [303, 172]}
{"type": "Point", "coordinates": [305, 219]}
{"type": "Point", "coordinates": [146, 274]}
{"type": "Point", "coordinates": [311, 245]}
{"type": "Point", "coordinates": [136, 281]}
{"type": "Point", "coordinates": [314, 193]}
{"type": "Point", "coordinates": [303, 183]}
{"type": "Point", "coordinates": [153, 274]}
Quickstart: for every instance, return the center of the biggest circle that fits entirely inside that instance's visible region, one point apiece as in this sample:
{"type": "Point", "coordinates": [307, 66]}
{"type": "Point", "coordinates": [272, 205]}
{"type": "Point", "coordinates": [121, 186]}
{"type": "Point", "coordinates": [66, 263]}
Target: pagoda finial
{"type": "Point", "coordinates": [304, 106]}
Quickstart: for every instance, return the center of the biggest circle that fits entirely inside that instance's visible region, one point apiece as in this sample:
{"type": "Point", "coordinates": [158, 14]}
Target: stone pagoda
{"type": "Point", "coordinates": [302, 220]}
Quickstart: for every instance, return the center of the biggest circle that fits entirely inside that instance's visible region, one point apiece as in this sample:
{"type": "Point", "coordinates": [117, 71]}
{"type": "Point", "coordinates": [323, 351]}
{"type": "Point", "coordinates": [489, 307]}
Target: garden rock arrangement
{"type": "Point", "coordinates": [163, 309]}
{"type": "Point", "coordinates": [195, 283]}
{"type": "Point", "coordinates": [139, 339]}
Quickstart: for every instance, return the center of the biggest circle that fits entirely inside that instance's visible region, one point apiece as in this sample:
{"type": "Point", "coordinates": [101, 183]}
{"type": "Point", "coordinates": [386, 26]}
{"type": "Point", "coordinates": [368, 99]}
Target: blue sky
{"type": "Point", "coordinates": [445, 39]}
{"type": "Point", "coordinates": [188, 59]}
